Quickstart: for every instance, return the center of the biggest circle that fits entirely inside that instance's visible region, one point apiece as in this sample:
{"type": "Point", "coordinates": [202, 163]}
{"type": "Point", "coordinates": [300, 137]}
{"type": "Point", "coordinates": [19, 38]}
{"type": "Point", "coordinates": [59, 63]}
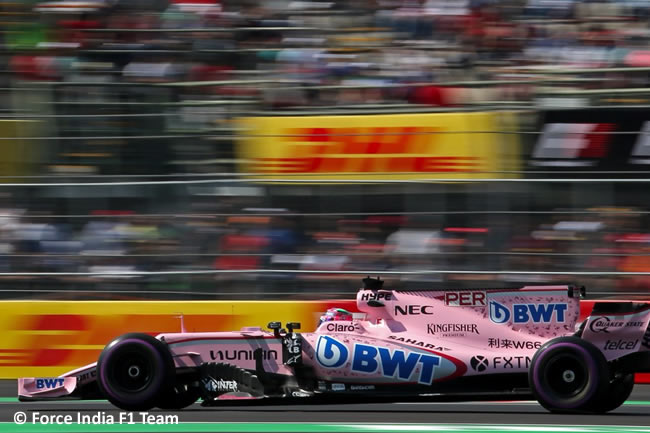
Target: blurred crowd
{"type": "Point", "coordinates": [122, 247]}
{"type": "Point", "coordinates": [152, 87]}
{"type": "Point", "coordinates": [355, 51]}
{"type": "Point", "coordinates": [126, 87]}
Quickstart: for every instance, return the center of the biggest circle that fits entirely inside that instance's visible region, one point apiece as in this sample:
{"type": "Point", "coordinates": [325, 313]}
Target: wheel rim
{"type": "Point", "coordinates": [132, 371]}
{"type": "Point", "coordinates": [566, 375]}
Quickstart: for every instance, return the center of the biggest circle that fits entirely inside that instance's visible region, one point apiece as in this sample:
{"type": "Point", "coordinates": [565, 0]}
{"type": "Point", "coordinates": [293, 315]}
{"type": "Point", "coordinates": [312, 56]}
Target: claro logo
{"type": "Point", "coordinates": [363, 150]}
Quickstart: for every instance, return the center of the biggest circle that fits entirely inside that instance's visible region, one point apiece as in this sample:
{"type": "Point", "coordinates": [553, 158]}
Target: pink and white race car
{"type": "Point", "coordinates": [461, 344]}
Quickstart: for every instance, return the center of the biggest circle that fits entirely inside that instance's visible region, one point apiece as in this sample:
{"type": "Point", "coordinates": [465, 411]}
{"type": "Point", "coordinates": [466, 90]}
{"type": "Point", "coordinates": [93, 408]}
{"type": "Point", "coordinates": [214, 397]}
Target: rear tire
{"type": "Point", "coordinates": [568, 374]}
{"type": "Point", "coordinates": [134, 371]}
{"type": "Point", "coordinates": [618, 391]}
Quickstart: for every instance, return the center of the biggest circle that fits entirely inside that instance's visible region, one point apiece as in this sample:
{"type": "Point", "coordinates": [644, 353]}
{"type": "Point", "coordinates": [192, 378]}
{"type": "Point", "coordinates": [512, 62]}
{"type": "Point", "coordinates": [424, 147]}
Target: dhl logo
{"type": "Point", "coordinates": [364, 150]}
{"type": "Point", "coordinates": [44, 341]}
{"type": "Point", "coordinates": [77, 339]}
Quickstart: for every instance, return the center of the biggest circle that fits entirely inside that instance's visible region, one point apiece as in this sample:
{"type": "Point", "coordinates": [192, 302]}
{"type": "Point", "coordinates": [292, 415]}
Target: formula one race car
{"type": "Point", "coordinates": [463, 344]}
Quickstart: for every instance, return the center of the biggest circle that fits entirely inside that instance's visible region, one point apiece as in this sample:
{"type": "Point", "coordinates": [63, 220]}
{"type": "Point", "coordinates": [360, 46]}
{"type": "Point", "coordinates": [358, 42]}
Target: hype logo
{"type": "Point", "coordinates": [330, 352]}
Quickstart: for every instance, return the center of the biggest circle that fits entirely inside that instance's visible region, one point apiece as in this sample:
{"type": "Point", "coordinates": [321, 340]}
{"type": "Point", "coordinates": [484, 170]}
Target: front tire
{"type": "Point", "coordinates": [180, 397]}
{"type": "Point", "coordinates": [568, 374]}
{"type": "Point", "coordinates": [134, 371]}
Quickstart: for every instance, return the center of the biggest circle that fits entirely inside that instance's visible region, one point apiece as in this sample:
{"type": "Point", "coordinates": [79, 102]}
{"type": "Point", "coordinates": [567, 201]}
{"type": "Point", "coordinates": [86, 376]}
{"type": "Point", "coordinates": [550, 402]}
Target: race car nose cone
{"type": "Point", "coordinates": [134, 371]}
{"type": "Point", "coordinates": [568, 376]}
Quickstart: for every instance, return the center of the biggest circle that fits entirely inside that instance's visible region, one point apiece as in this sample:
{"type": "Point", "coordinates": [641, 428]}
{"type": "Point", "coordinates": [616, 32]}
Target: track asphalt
{"type": "Point", "coordinates": [634, 416]}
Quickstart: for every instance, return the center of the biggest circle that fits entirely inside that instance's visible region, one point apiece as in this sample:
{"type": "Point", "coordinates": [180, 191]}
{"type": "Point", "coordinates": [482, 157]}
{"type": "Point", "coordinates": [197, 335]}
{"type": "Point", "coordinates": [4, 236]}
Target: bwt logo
{"type": "Point", "coordinates": [366, 359]}
{"type": "Point", "coordinates": [330, 352]}
{"type": "Point", "coordinates": [524, 313]}
{"type": "Point", "coordinates": [49, 383]}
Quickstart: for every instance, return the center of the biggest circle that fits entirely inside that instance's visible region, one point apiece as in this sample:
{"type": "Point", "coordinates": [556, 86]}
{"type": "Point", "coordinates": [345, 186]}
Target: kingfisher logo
{"type": "Point", "coordinates": [525, 313]}
{"type": "Point", "coordinates": [366, 359]}
{"type": "Point", "coordinates": [49, 383]}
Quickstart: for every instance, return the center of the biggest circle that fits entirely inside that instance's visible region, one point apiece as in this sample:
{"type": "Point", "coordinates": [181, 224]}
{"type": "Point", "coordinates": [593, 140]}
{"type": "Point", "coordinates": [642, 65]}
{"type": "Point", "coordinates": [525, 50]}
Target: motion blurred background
{"type": "Point", "coordinates": [271, 148]}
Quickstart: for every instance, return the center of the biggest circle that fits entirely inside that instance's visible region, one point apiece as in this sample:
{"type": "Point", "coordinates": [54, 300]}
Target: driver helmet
{"type": "Point", "coordinates": [335, 314]}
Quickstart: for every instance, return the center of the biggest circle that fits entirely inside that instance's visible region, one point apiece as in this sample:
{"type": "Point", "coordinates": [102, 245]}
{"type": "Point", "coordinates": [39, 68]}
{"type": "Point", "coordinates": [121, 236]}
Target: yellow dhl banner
{"type": "Point", "coordinates": [396, 146]}
{"type": "Point", "coordinates": [48, 338]}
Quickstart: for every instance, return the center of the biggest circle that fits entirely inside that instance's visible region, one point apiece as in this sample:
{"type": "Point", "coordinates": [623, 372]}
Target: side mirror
{"type": "Point", "coordinates": [275, 326]}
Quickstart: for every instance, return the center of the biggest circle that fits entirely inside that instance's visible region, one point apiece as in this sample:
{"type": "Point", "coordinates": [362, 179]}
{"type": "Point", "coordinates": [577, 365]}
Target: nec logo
{"type": "Point", "coordinates": [49, 383]}
{"type": "Point", "coordinates": [376, 296]}
{"type": "Point", "coordinates": [569, 144]}
{"type": "Point", "coordinates": [413, 310]}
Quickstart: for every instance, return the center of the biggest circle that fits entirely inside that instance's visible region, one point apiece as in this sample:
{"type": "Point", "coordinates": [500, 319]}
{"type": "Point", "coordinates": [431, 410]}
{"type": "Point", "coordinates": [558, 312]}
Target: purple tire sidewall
{"type": "Point", "coordinates": [103, 374]}
{"type": "Point", "coordinates": [591, 368]}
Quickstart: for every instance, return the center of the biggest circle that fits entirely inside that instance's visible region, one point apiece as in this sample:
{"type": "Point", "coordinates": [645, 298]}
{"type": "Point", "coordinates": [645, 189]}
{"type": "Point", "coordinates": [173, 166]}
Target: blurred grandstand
{"type": "Point", "coordinates": [178, 149]}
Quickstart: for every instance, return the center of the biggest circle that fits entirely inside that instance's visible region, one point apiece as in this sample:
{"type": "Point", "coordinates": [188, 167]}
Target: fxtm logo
{"type": "Point", "coordinates": [49, 383]}
{"type": "Point", "coordinates": [366, 359]}
{"type": "Point", "coordinates": [603, 324]}
{"type": "Point", "coordinates": [465, 299]}
{"type": "Point", "coordinates": [479, 363]}
{"type": "Point", "coordinates": [524, 313]}
{"type": "Point", "coordinates": [413, 310]}
{"type": "Point", "coordinates": [511, 361]}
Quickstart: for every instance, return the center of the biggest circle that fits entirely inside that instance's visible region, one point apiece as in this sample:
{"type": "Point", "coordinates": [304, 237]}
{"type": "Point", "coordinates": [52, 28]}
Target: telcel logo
{"type": "Point", "coordinates": [49, 383]}
{"type": "Point", "coordinates": [524, 313]}
{"type": "Point", "coordinates": [366, 359]}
